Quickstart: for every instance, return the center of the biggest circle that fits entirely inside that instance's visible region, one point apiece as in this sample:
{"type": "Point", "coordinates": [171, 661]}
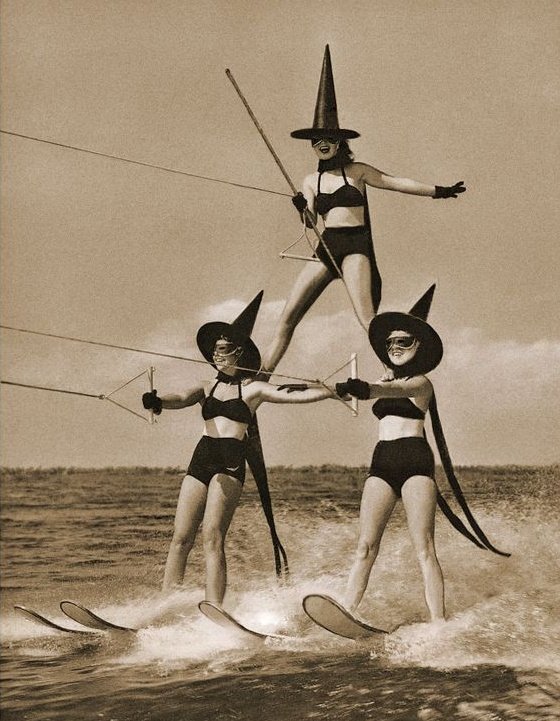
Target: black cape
{"type": "Point", "coordinates": [476, 535]}
{"type": "Point", "coordinates": [256, 463]}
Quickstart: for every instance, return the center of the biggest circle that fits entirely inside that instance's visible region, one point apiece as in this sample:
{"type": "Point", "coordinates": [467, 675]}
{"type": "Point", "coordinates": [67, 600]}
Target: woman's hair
{"type": "Point", "coordinates": [344, 152]}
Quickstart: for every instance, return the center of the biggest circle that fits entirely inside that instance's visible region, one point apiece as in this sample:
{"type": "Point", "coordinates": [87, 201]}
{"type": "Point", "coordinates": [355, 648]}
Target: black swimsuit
{"type": "Point", "coordinates": [402, 407]}
{"type": "Point", "coordinates": [235, 408]}
{"type": "Point", "coordinates": [347, 196]}
{"type": "Point", "coordinates": [347, 240]}
{"type": "Point", "coordinates": [221, 455]}
{"type": "Point", "coordinates": [396, 461]}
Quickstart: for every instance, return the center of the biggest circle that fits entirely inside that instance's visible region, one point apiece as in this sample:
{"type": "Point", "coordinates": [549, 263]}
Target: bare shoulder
{"type": "Point", "coordinates": [310, 181]}
{"type": "Point", "coordinates": [254, 389]}
{"type": "Point", "coordinates": [418, 385]}
{"type": "Point", "coordinates": [423, 386]}
{"type": "Point", "coordinates": [356, 168]}
{"type": "Point", "coordinates": [360, 169]}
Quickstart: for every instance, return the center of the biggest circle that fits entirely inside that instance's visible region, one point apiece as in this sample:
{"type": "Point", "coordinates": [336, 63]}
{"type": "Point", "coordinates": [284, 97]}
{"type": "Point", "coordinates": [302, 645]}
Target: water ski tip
{"type": "Point", "coordinates": [84, 616]}
{"type": "Point", "coordinates": [225, 620]}
{"type": "Point", "coordinates": [330, 615]}
{"type": "Point", "coordinates": [37, 617]}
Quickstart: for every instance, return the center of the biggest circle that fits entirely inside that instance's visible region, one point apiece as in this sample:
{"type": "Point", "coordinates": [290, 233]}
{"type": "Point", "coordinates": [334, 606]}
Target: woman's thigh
{"type": "Point", "coordinates": [356, 270]}
{"type": "Point", "coordinates": [309, 285]}
{"type": "Point", "coordinates": [224, 493]}
{"type": "Point", "coordinates": [378, 501]}
{"type": "Point", "coordinates": [419, 495]}
{"type": "Point", "coordinates": [190, 506]}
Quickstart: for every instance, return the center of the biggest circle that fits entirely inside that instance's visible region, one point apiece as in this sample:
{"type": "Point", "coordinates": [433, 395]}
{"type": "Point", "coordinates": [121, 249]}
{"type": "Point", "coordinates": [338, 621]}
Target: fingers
{"type": "Point", "coordinates": [291, 387]}
{"type": "Point", "coordinates": [458, 188]}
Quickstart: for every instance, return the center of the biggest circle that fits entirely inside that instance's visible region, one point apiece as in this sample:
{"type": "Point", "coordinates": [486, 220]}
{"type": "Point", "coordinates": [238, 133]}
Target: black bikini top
{"type": "Point", "coordinates": [402, 407]}
{"type": "Point", "coordinates": [347, 196]}
{"type": "Point", "coordinates": [235, 408]}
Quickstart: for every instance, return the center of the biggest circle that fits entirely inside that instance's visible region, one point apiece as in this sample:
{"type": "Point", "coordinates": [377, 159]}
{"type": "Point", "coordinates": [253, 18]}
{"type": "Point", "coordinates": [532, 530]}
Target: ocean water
{"type": "Point", "coordinates": [100, 537]}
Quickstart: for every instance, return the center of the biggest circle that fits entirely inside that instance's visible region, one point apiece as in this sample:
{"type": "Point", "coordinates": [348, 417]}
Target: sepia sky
{"type": "Point", "coordinates": [125, 254]}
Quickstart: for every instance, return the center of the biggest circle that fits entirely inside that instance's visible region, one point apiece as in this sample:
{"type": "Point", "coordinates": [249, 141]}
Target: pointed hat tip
{"type": "Point", "coordinates": [245, 321]}
{"type": "Point", "coordinates": [422, 306]}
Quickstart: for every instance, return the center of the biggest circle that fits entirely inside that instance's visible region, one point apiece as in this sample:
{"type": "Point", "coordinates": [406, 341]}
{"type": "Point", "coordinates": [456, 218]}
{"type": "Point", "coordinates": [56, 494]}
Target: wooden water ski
{"type": "Point", "coordinates": [330, 615]}
{"type": "Point", "coordinates": [225, 620]}
{"type": "Point", "coordinates": [83, 615]}
{"type": "Point", "coordinates": [32, 615]}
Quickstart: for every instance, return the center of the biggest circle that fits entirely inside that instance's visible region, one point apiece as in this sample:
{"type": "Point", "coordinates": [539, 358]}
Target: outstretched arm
{"type": "Point", "coordinates": [291, 393]}
{"type": "Point", "coordinates": [414, 387]}
{"type": "Point", "coordinates": [379, 179]}
{"type": "Point", "coordinates": [193, 395]}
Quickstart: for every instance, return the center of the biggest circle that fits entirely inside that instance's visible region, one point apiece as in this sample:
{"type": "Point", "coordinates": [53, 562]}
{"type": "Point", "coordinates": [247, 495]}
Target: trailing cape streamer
{"type": "Point", "coordinates": [481, 539]}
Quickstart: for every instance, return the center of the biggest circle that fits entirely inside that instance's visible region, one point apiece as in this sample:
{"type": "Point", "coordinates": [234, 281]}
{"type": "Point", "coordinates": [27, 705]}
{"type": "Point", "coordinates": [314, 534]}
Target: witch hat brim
{"type": "Point", "coordinates": [238, 332]}
{"type": "Point", "coordinates": [325, 122]}
{"type": "Point", "coordinates": [430, 350]}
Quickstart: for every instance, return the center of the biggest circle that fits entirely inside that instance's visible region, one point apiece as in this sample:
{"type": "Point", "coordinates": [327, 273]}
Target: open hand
{"type": "Point", "coordinates": [450, 191]}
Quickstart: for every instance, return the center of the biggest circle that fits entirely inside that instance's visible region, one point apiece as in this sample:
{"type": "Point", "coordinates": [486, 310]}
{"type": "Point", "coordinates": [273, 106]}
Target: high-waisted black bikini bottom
{"type": "Point", "coordinates": [342, 242]}
{"type": "Point", "coordinates": [396, 461]}
{"type": "Point", "coordinates": [218, 455]}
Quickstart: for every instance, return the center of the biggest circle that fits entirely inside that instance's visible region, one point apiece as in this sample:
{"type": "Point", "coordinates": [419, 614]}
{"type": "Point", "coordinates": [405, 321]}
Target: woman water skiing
{"type": "Point", "coordinates": [212, 486]}
{"type": "Point", "coordinates": [337, 192]}
{"type": "Point", "coordinates": [403, 463]}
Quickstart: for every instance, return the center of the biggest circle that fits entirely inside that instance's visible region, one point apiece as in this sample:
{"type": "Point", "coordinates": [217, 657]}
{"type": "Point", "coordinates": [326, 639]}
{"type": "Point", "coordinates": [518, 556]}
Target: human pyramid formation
{"type": "Point", "coordinates": [403, 462]}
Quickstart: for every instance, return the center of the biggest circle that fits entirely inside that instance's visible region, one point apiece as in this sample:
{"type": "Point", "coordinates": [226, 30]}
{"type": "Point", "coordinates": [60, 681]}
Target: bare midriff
{"type": "Point", "coordinates": [221, 427]}
{"type": "Point", "coordinates": [344, 217]}
{"type": "Point", "coordinates": [393, 427]}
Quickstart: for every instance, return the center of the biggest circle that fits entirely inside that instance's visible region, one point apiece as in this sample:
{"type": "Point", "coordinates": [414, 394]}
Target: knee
{"type": "Point", "coordinates": [367, 550]}
{"type": "Point", "coordinates": [425, 550]}
{"type": "Point", "coordinates": [213, 540]}
{"type": "Point", "coordinates": [182, 541]}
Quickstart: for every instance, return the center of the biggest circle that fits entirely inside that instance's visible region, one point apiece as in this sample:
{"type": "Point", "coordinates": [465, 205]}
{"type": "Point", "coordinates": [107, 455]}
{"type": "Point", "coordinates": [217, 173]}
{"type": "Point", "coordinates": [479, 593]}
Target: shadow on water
{"type": "Point", "coordinates": [351, 688]}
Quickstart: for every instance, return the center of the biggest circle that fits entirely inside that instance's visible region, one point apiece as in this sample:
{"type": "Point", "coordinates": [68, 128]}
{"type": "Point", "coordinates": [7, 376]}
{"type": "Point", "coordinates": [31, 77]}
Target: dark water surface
{"type": "Point", "coordinates": [100, 537]}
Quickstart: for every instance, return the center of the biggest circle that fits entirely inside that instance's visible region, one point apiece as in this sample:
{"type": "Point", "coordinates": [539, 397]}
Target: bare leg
{"type": "Point", "coordinates": [356, 270]}
{"type": "Point", "coordinates": [378, 501]}
{"type": "Point", "coordinates": [190, 509]}
{"type": "Point", "coordinates": [223, 496]}
{"type": "Point", "coordinates": [309, 285]}
{"type": "Point", "coordinates": [419, 499]}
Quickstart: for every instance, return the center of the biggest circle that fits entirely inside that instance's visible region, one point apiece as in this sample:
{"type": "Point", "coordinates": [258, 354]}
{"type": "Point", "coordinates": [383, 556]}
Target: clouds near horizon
{"type": "Point", "coordinates": [496, 397]}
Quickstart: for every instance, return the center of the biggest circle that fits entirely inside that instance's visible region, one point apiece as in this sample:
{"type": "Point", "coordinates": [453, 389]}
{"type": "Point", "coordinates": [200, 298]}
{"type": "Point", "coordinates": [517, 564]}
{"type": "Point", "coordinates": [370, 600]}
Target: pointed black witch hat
{"type": "Point", "coordinates": [238, 332]}
{"type": "Point", "coordinates": [430, 350]}
{"type": "Point", "coordinates": [325, 122]}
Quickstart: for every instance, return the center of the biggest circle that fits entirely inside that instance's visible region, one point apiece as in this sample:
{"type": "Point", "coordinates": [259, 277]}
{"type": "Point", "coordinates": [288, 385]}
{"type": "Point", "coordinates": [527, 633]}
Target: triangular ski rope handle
{"type": "Point", "coordinates": [107, 397]}
{"type": "Point", "coordinates": [353, 363]}
{"type": "Point", "coordinates": [294, 256]}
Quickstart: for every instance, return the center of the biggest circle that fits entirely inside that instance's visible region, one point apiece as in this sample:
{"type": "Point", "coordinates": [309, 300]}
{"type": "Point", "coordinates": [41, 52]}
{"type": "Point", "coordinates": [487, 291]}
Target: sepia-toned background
{"type": "Point", "coordinates": [103, 250]}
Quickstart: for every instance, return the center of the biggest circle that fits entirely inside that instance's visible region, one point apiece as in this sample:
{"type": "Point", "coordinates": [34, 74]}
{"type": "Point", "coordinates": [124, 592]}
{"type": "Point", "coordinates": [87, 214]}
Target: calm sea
{"type": "Point", "coordinates": [100, 537]}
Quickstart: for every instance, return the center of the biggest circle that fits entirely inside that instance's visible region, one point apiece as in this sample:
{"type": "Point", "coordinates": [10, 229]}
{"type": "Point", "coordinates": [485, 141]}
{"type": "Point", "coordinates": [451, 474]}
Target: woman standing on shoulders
{"type": "Point", "coordinates": [212, 486]}
{"type": "Point", "coordinates": [403, 463]}
{"type": "Point", "coordinates": [337, 192]}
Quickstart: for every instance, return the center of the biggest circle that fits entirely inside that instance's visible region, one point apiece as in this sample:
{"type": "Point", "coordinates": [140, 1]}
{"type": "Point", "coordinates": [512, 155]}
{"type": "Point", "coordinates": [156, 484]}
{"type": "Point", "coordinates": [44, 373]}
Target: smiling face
{"type": "Point", "coordinates": [226, 355]}
{"type": "Point", "coordinates": [325, 148]}
{"type": "Point", "coordinates": [401, 347]}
